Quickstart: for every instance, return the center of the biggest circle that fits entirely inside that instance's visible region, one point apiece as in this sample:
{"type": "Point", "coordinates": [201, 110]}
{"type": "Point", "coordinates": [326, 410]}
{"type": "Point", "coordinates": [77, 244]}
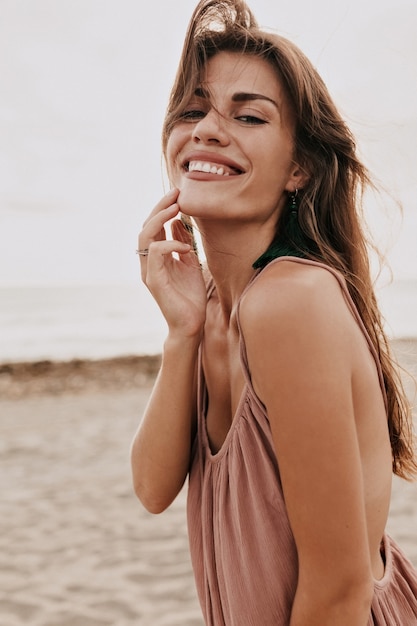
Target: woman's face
{"type": "Point", "coordinates": [231, 153]}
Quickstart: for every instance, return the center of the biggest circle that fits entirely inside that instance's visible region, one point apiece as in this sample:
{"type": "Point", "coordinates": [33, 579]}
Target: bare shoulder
{"type": "Point", "coordinates": [292, 296]}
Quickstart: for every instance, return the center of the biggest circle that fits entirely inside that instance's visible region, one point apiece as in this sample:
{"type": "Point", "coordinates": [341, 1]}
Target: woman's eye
{"type": "Point", "coordinates": [192, 115]}
{"type": "Point", "coordinates": [250, 119]}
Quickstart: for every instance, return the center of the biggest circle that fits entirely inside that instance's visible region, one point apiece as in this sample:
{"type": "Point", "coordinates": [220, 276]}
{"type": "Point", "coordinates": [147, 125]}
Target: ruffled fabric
{"type": "Point", "coordinates": [395, 596]}
{"type": "Point", "coordinates": [243, 555]}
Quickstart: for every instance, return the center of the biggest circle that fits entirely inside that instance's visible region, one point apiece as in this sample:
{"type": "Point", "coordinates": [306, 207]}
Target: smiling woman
{"type": "Point", "coordinates": [234, 124]}
{"type": "Point", "coordinates": [277, 395]}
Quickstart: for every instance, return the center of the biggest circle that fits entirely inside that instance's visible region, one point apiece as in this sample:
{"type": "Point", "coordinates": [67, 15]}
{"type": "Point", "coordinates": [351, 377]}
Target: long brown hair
{"type": "Point", "coordinates": [330, 205]}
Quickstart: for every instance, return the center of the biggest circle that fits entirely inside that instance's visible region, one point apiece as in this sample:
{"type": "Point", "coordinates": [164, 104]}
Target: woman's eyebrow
{"type": "Point", "coordinates": [240, 96]}
{"type": "Point", "coordinates": [244, 97]}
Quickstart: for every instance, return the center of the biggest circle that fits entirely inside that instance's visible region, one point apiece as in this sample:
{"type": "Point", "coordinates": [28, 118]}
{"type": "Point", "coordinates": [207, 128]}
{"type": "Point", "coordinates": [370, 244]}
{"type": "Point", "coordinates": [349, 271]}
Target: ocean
{"type": "Point", "coordinates": [93, 322]}
{"type": "Point", "coordinates": [103, 321]}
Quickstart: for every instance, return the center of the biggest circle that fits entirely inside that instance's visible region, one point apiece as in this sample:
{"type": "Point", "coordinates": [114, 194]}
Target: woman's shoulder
{"type": "Point", "coordinates": [303, 290]}
{"type": "Point", "coordinates": [297, 314]}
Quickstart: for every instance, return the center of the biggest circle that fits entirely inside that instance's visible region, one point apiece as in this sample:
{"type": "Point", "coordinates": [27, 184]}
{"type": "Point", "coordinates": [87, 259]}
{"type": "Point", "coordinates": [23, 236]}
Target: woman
{"type": "Point", "coordinates": [277, 395]}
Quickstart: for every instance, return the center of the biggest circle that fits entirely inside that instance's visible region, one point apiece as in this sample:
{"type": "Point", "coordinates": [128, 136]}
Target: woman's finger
{"type": "Point", "coordinates": [159, 253]}
{"type": "Point", "coordinates": [164, 203]}
{"type": "Point", "coordinates": [153, 229]}
{"type": "Point", "coordinates": [163, 248]}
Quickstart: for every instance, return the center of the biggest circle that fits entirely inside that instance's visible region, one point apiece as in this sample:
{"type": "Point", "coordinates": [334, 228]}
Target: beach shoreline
{"type": "Point", "coordinates": [77, 548]}
{"type": "Point", "coordinates": [27, 378]}
{"type": "Point", "coordinates": [46, 376]}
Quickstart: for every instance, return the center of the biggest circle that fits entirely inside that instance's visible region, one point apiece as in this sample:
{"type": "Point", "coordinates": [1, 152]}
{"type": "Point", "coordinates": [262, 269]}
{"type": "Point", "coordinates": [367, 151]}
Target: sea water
{"type": "Point", "coordinates": [61, 323]}
{"type": "Point", "coordinates": [103, 321]}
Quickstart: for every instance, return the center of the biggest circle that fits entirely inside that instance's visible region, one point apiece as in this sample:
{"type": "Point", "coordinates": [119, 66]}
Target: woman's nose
{"type": "Point", "coordinates": [211, 129]}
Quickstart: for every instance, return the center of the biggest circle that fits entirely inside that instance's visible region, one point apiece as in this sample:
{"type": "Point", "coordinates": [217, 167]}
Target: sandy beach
{"type": "Point", "coordinates": [77, 548]}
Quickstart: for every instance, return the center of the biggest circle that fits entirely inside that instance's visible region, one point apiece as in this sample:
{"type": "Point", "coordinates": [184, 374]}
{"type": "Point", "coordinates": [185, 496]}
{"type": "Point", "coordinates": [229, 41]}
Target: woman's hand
{"type": "Point", "coordinates": [177, 284]}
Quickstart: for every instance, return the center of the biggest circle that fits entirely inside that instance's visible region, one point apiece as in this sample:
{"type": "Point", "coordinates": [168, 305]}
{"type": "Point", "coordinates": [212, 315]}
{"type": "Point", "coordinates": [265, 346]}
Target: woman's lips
{"type": "Point", "coordinates": [208, 167]}
{"type": "Point", "coordinates": [210, 163]}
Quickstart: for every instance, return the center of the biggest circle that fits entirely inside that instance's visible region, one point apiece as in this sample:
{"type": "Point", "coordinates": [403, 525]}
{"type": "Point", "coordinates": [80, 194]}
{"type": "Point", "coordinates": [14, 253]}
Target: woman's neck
{"type": "Point", "coordinates": [230, 253]}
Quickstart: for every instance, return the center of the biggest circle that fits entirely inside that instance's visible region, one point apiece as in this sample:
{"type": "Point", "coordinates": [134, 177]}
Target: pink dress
{"type": "Point", "coordinates": [242, 548]}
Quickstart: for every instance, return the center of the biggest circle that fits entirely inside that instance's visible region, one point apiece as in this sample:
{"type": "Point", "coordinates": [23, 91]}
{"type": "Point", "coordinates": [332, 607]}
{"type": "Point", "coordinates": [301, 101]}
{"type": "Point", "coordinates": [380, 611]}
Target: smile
{"type": "Point", "coordinates": [211, 168]}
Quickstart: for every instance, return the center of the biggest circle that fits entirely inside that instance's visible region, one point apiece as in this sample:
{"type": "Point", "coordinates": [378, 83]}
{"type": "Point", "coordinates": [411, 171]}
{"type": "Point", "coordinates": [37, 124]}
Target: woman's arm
{"type": "Point", "coordinates": [160, 453]}
{"type": "Point", "coordinates": [300, 340]}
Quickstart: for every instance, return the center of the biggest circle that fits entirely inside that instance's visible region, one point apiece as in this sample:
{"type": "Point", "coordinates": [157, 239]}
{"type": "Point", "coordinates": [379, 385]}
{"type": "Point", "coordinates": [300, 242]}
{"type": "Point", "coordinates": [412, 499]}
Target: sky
{"type": "Point", "coordinates": [83, 90]}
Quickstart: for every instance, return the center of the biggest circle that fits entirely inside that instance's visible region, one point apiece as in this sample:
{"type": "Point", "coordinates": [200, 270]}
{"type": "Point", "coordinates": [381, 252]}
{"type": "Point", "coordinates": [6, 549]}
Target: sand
{"type": "Point", "coordinates": [76, 547]}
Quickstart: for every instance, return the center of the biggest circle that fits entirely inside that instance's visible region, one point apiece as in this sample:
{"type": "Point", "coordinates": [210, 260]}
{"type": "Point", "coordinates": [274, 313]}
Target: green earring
{"type": "Point", "coordinates": [293, 202]}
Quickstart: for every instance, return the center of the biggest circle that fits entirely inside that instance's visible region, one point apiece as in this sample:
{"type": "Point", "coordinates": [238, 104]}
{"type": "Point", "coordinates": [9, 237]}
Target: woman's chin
{"type": "Point", "coordinates": [192, 204]}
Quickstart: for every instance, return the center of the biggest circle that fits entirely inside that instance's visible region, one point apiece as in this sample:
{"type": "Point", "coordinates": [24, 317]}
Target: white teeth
{"type": "Point", "coordinates": [200, 166]}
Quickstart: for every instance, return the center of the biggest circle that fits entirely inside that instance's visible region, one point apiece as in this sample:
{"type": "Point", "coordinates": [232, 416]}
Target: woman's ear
{"type": "Point", "coordinates": [298, 179]}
